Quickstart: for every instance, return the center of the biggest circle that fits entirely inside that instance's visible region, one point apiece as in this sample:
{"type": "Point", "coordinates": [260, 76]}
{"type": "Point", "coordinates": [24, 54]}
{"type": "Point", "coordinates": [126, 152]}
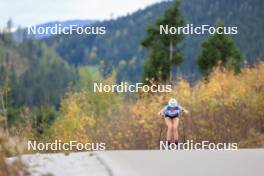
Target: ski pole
{"type": "Point", "coordinates": [160, 133]}
{"type": "Point", "coordinates": [184, 135]}
{"type": "Point", "coordinates": [184, 132]}
{"type": "Point", "coordinates": [161, 129]}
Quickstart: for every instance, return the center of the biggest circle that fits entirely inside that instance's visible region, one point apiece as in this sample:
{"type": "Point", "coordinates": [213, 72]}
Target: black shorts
{"type": "Point", "coordinates": [172, 117]}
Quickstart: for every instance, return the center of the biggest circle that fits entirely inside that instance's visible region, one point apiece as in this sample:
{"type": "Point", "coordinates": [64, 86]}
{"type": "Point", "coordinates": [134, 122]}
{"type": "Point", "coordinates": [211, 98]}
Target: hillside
{"type": "Point", "coordinates": [34, 73]}
{"type": "Point", "coordinates": [11, 58]}
{"type": "Point", "coordinates": [120, 47]}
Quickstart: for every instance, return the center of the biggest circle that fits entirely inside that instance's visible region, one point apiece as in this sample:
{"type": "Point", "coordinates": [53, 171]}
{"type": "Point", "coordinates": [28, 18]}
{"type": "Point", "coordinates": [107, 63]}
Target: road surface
{"type": "Point", "coordinates": [149, 163]}
{"type": "Point", "coordinates": [186, 163]}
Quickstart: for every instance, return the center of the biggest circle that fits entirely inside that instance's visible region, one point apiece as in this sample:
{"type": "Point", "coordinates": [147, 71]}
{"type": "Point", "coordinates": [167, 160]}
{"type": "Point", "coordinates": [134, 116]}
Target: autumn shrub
{"type": "Point", "coordinates": [226, 107]}
{"type": "Point", "coordinates": [11, 146]}
{"type": "Point", "coordinates": [85, 116]}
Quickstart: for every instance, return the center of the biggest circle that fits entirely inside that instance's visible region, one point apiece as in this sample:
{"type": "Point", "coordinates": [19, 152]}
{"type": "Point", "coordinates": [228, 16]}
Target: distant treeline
{"type": "Point", "coordinates": [120, 48]}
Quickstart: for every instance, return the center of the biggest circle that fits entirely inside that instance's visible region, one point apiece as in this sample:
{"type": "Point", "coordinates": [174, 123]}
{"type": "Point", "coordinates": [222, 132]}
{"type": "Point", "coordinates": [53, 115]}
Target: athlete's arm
{"type": "Point", "coordinates": [184, 110]}
{"type": "Point", "coordinates": [162, 111]}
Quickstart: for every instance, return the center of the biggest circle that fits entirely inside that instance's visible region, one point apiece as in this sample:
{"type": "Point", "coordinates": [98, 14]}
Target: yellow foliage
{"type": "Point", "coordinates": [222, 109]}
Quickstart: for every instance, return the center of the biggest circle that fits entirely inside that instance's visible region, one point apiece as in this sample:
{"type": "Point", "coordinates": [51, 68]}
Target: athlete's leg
{"type": "Point", "coordinates": [168, 122]}
{"type": "Point", "coordinates": [175, 125]}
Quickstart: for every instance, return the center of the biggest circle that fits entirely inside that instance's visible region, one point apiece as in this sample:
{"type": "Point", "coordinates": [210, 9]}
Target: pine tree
{"type": "Point", "coordinates": [219, 49]}
{"type": "Point", "coordinates": [163, 50]}
{"type": "Point", "coordinates": [9, 25]}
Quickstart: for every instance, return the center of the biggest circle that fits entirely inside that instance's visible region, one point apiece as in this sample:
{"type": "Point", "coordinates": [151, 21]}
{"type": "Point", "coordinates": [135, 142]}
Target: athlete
{"type": "Point", "coordinates": [171, 113]}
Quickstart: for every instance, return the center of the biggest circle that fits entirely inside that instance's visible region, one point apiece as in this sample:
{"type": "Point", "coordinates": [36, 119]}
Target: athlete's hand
{"type": "Point", "coordinates": [185, 111]}
{"type": "Point", "coordinates": [160, 114]}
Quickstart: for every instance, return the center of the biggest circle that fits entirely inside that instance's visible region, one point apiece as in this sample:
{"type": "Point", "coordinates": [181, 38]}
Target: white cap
{"type": "Point", "coordinates": [173, 102]}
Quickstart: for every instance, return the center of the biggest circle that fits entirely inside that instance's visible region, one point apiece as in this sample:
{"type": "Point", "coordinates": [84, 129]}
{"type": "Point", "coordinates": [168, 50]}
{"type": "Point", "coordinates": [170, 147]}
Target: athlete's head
{"type": "Point", "coordinates": [173, 102]}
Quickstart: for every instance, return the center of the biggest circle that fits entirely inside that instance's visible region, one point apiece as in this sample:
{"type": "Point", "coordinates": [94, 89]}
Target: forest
{"type": "Point", "coordinates": [120, 48]}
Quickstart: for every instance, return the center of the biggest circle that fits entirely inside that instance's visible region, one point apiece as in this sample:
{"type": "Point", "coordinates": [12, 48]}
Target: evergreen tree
{"type": "Point", "coordinates": [219, 49]}
{"type": "Point", "coordinates": [163, 49]}
{"type": "Point", "coordinates": [9, 25]}
{"type": "Point", "coordinates": [46, 81]}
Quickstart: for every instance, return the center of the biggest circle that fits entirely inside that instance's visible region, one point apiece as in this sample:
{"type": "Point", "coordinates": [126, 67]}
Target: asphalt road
{"type": "Point", "coordinates": [185, 163]}
{"type": "Point", "coordinates": [148, 163]}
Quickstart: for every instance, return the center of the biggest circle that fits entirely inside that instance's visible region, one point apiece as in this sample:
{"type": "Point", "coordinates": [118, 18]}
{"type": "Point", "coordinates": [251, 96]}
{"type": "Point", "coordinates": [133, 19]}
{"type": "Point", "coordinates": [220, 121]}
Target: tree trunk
{"type": "Point", "coordinates": [4, 113]}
